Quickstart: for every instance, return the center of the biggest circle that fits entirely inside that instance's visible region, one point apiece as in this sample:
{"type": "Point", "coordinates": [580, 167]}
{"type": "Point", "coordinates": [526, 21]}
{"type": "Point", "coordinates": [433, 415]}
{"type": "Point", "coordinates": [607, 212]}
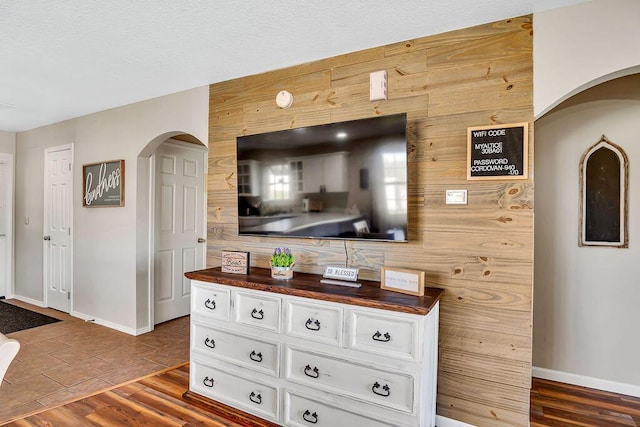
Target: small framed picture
{"type": "Point", "coordinates": [403, 280]}
{"type": "Point", "coordinates": [236, 262]}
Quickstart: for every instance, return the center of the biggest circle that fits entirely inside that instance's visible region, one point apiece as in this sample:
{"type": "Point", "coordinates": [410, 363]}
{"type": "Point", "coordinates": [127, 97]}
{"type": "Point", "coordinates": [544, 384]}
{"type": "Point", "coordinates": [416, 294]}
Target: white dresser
{"type": "Point", "coordinates": [300, 354]}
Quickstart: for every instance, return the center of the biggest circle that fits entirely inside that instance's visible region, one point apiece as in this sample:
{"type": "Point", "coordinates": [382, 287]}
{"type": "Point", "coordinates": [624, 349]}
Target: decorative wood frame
{"type": "Point", "coordinates": [402, 280]}
{"type": "Point", "coordinates": [623, 242]}
{"type": "Point", "coordinates": [103, 184]}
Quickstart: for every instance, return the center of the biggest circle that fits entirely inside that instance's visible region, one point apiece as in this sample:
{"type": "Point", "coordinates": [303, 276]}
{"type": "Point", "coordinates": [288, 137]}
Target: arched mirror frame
{"type": "Point", "coordinates": [623, 241]}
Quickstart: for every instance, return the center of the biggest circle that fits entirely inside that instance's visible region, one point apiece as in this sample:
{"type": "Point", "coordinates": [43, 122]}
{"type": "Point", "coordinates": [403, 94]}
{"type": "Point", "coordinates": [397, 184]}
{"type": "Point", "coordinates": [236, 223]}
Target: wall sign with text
{"type": "Point", "coordinates": [103, 184]}
{"type": "Point", "coordinates": [498, 152]}
{"type": "Point", "coordinates": [402, 280]}
{"type": "Point", "coordinates": [236, 262]}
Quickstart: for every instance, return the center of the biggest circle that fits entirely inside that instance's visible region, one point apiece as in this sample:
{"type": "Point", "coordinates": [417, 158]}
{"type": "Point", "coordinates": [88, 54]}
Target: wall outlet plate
{"type": "Point", "coordinates": [456, 197]}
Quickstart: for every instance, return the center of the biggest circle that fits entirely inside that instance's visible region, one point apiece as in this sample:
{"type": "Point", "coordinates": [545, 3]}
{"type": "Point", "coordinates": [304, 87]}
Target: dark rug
{"type": "Point", "coordinates": [14, 318]}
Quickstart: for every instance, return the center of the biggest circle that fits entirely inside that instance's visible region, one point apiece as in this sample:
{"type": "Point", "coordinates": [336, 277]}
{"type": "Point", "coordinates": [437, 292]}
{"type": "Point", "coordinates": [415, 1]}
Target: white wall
{"type": "Point", "coordinates": [7, 142]}
{"type": "Point", "coordinates": [579, 46]}
{"type": "Point", "coordinates": [107, 269]}
{"type": "Point", "coordinates": [586, 298]}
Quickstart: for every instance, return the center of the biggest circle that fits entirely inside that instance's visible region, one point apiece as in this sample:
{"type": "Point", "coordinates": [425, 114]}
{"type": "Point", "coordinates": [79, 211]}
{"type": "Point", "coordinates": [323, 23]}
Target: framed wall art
{"type": "Point", "coordinates": [103, 184]}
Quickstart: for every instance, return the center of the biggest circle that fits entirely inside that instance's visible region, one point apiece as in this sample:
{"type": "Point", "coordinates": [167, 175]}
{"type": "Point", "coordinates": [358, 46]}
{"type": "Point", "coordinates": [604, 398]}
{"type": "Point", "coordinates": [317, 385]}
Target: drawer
{"type": "Point", "coordinates": [210, 301]}
{"type": "Point", "coordinates": [249, 395]}
{"type": "Point", "coordinates": [315, 322]}
{"type": "Point", "coordinates": [338, 376]}
{"type": "Point", "coordinates": [390, 335]}
{"type": "Point", "coordinates": [252, 353]}
{"type": "Point", "coordinates": [258, 309]}
{"type": "Point", "coordinates": [301, 411]}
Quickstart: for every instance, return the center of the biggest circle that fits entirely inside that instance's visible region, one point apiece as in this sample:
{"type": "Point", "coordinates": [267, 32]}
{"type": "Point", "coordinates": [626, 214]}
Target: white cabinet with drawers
{"type": "Point", "coordinates": [305, 361]}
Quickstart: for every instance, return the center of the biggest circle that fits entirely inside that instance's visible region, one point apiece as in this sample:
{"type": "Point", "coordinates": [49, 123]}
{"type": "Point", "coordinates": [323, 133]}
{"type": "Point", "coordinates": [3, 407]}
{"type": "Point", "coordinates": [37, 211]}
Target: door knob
{"type": "Point", "coordinates": [47, 237]}
{"type": "Point", "coordinates": [201, 240]}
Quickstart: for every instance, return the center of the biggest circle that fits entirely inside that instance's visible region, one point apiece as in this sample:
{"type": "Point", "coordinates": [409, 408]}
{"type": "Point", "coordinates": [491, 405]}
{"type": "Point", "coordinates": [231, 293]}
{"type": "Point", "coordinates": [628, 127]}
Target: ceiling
{"type": "Point", "coordinates": [61, 59]}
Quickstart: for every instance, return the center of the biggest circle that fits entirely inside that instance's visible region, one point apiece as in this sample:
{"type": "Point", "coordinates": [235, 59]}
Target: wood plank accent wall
{"type": "Point", "coordinates": [481, 254]}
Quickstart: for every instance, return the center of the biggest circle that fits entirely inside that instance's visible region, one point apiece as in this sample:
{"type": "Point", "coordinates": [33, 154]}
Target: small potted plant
{"type": "Point", "coordinates": [282, 262]}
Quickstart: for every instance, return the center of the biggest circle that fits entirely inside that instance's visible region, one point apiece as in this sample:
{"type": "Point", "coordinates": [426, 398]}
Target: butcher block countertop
{"type": "Point", "coordinates": [309, 286]}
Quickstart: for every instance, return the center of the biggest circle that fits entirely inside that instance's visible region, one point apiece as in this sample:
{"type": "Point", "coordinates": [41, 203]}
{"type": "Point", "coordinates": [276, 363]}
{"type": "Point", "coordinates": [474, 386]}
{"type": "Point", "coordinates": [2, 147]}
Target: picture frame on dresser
{"type": "Point", "coordinates": [402, 280]}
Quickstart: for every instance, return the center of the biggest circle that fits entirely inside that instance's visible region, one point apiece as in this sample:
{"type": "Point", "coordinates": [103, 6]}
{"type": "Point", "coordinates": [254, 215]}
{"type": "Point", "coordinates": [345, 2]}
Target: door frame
{"type": "Point", "coordinates": [152, 214]}
{"type": "Point", "coordinates": [44, 224]}
{"type": "Point", "coordinates": [10, 285]}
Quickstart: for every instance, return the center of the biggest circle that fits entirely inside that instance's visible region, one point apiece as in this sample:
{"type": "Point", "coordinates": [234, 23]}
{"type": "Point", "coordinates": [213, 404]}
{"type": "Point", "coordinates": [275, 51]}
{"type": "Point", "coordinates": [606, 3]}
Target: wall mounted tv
{"type": "Point", "coordinates": [344, 180]}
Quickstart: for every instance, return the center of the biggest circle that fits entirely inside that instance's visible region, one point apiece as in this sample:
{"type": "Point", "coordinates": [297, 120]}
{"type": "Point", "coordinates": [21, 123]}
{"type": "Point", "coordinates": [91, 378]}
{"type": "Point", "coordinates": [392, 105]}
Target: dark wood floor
{"type": "Point", "coordinates": [157, 401]}
{"type": "Point", "coordinates": [557, 404]}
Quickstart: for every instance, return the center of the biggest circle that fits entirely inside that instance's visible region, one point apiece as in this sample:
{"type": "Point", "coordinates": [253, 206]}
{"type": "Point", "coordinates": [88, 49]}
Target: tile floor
{"type": "Point", "coordinates": [72, 358]}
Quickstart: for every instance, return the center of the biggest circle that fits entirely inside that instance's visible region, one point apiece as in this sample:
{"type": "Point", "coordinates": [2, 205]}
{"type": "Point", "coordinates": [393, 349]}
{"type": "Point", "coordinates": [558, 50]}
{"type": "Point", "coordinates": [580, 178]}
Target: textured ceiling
{"type": "Point", "coordinates": [61, 59]}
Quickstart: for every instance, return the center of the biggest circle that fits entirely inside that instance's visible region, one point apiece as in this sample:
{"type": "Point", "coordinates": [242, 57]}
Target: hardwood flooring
{"type": "Point", "coordinates": [152, 401]}
{"type": "Point", "coordinates": [157, 400]}
{"type": "Point", "coordinates": [557, 404]}
{"type": "Point", "coordinates": [67, 374]}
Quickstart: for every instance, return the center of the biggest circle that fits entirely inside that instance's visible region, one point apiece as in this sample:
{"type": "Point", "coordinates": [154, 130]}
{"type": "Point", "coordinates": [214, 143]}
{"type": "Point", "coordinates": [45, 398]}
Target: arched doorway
{"type": "Point", "coordinates": [585, 296]}
{"type": "Point", "coordinates": [171, 222]}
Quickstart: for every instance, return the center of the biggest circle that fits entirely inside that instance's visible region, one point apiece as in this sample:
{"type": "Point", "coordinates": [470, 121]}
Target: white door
{"type": "Point", "coordinates": [6, 224]}
{"type": "Point", "coordinates": [58, 209]}
{"type": "Point", "coordinates": [180, 227]}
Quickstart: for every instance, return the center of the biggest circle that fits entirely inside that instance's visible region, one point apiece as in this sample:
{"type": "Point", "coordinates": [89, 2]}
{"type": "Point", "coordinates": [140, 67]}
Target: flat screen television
{"type": "Point", "coordinates": [344, 180]}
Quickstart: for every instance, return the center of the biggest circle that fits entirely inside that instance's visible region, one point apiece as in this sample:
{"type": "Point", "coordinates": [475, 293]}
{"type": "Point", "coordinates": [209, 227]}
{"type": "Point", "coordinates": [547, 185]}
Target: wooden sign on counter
{"type": "Point", "coordinates": [236, 262]}
{"type": "Point", "coordinates": [498, 152]}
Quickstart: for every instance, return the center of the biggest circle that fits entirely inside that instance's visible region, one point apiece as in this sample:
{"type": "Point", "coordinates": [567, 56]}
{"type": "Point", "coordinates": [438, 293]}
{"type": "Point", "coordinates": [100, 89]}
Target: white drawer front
{"type": "Point", "coordinates": [343, 377]}
{"type": "Point", "coordinates": [210, 301]}
{"type": "Point", "coordinates": [255, 397]}
{"type": "Point", "coordinates": [314, 322]}
{"type": "Point", "coordinates": [303, 412]}
{"type": "Point", "coordinates": [252, 353]}
{"type": "Point", "coordinates": [389, 335]}
{"type": "Point", "coordinates": [258, 310]}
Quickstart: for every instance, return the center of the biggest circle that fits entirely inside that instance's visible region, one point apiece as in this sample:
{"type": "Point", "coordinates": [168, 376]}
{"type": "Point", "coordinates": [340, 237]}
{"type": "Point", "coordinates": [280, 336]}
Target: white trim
{"type": "Point", "coordinates": [9, 278]}
{"type": "Point", "coordinates": [151, 240]}
{"type": "Point", "coordinates": [30, 301]}
{"type": "Point", "coordinates": [584, 381]}
{"type": "Point", "coordinates": [449, 422]}
{"type": "Point", "coordinates": [87, 318]}
{"type": "Point", "coordinates": [111, 325]}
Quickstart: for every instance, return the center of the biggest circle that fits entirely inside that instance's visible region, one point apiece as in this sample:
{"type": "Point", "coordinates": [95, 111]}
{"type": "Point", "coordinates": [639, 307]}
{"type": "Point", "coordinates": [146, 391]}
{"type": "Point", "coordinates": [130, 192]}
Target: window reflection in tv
{"type": "Point", "coordinates": [344, 180]}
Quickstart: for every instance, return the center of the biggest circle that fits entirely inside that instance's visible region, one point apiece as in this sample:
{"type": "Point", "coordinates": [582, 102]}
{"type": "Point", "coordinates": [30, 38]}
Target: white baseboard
{"type": "Point", "coordinates": [29, 301]}
{"type": "Point", "coordinates": [108, 324]}
{"type": "Point", "coordinates": [449, 422]}
{"type": "Point", "coordinates": [583, 381]}
{"type": "Point", "coordinates": [88, 318]}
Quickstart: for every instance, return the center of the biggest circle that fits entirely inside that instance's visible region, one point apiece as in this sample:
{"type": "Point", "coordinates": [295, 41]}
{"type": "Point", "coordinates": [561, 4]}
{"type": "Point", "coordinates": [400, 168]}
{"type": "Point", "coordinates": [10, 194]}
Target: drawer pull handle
{"type": "Point", "coordinates": [210, 304]}
{"type": "Point", "coordinates": [256, 357]}
{"type": "Point", "coordinates": [257, 314]}
{"type": "Point", "coordinates": [310, 323]}
{"type": "Point", "coordinates": [208, 382]}
{"type": "Point", "coordinates": [210, 343]}
{"type": "Point", "coordinates": [255, 398]}
{"type": "Point", "coordinates": [385, 389]}
{"type": "Point", "coordinates": [377, 335]}
{"type": "Point", "coordinates": [312, 373]}
{"type": "Point", "coordinates": [309, 417]}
